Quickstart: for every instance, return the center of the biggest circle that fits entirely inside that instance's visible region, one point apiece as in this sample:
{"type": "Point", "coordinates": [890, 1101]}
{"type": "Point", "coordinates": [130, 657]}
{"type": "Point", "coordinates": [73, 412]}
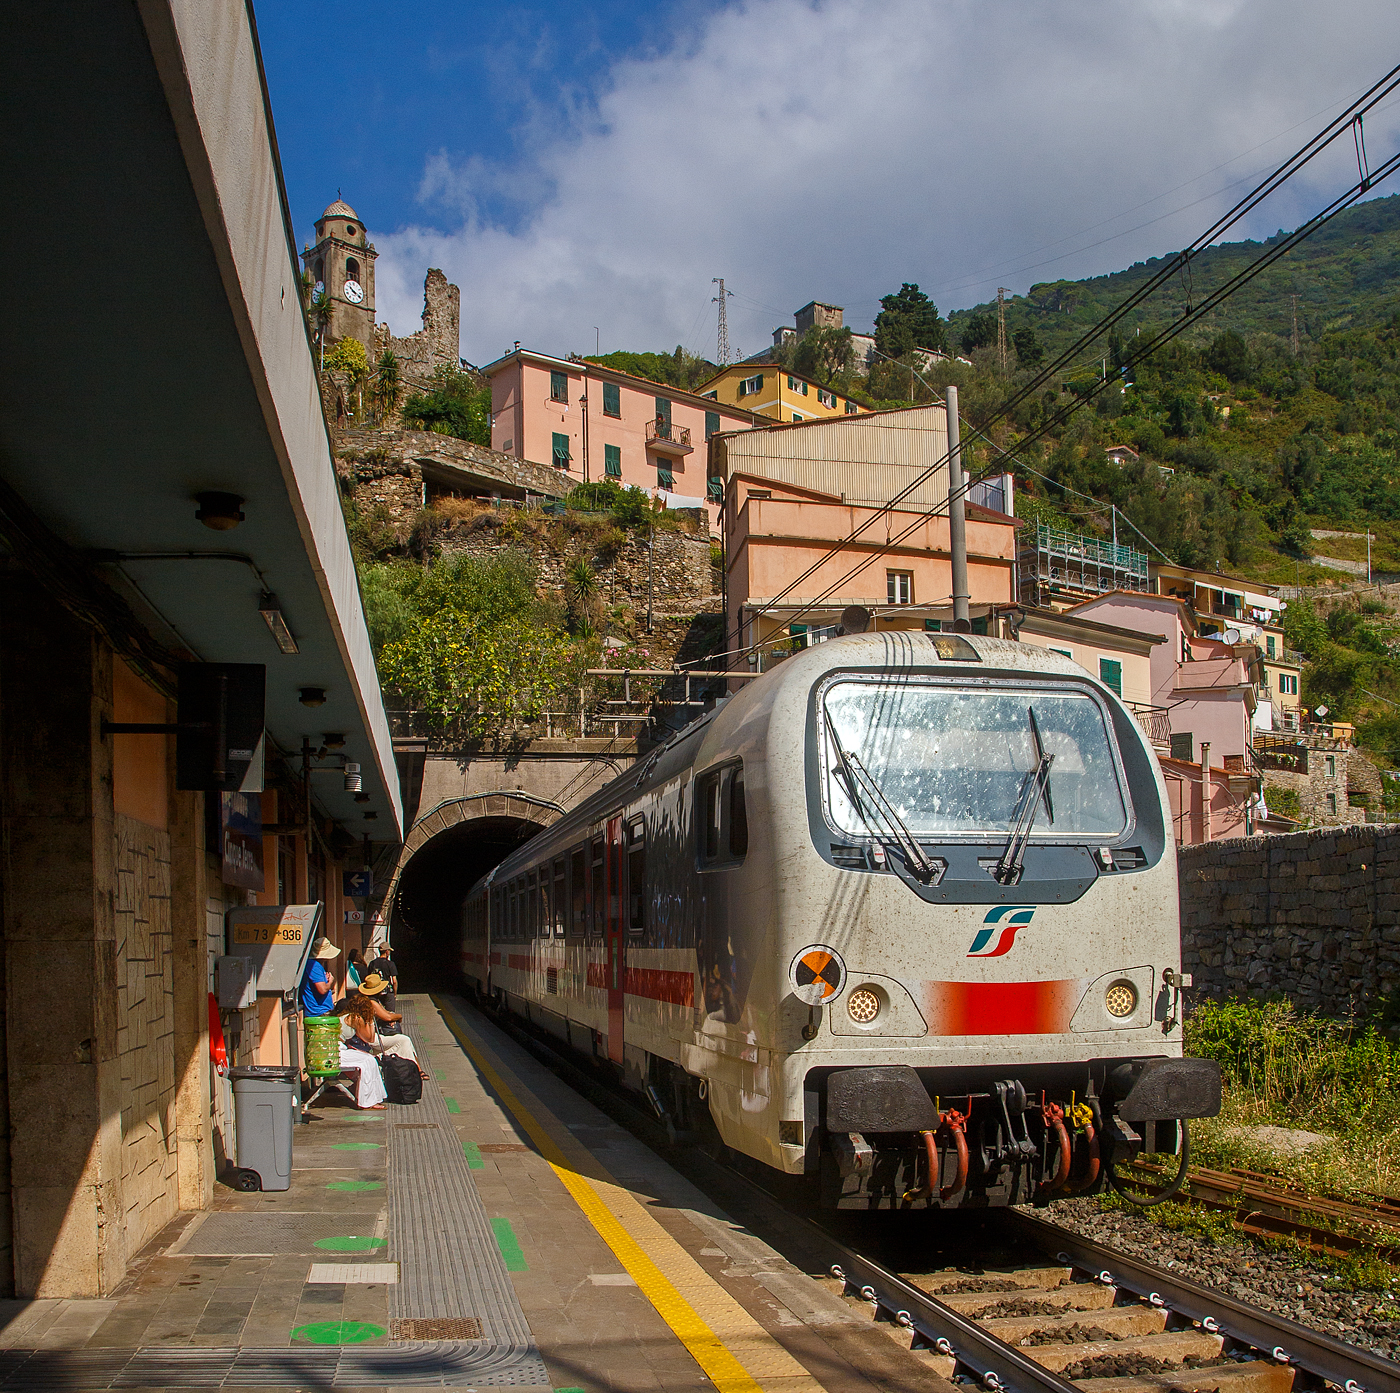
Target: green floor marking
{"type": "Point", "coordinates": [338, 1332]}
{"type": "Point", "coordinates": [351, 1244]}
{"type": "Point", "coordinates": [570, 1390]}
{"type": "Point", "coordinates": [452, 1105]}
{"type": "Point", "coordinates": [473, 1154]}
{"type": "Point", "coordinates": [355, 1186]}
{"type": "Point", "coordinates": [441, 1077]}
{"type": "Point", "coordinates": [509, 1245]}
{"type": "Point", "coordinates": [357, 1146]}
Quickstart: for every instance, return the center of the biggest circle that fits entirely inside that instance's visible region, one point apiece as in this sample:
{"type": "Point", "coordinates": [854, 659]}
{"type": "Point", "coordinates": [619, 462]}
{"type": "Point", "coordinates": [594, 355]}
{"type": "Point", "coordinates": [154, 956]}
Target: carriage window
{"type": "Point", "coordinates": [596, 887]}
{"type": "Point", "coordinates": [561, 913]}
{"type": "Point", "coordinates": [580, 893]}
{"type": "Point", "coordinates": [544, 926]}
{"type": "Point", "coordinates": [723, 817]}
{"type": "Point", "coordinates": [637, 876]}
{"type": "Point", "coordinates": [513, 919]}
{"type": "Point", "coordinates": [532, 912]}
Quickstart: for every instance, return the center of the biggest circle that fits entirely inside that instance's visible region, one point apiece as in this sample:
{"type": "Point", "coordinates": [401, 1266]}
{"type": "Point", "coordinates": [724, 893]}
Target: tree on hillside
{"type": "Point", "coordinates": [678, 369]}
{"type": "Point", "coordinates": [458, 405]}
{"type": "Point", "coordinates": [980, 331]}
{"type": "Point", "coordinates": [908, 320]}
{"type": "Point", "coordinates": [1030, 352]}
{"type": "Point", "coordinates": [823, 354]}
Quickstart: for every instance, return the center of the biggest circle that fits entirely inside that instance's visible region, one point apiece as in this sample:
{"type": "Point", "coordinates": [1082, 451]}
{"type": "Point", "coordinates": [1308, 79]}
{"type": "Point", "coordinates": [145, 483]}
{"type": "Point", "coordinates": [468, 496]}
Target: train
{"type": "Point", "coordinates": [899, 915]}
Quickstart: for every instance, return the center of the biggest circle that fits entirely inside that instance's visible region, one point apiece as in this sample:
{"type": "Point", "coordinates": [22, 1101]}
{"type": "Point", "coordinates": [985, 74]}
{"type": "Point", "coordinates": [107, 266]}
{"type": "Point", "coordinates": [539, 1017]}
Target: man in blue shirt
{"type": "Point", "coordinates": [317, 989]}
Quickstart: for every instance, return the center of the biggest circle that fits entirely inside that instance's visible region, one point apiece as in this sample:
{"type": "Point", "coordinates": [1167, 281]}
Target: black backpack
{"type": "Point", "coordinates": [402, 1081]}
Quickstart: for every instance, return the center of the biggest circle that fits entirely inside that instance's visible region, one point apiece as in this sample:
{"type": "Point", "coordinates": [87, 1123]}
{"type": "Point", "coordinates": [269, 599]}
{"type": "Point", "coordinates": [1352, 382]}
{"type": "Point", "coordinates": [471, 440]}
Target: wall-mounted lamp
{"type": "Point", "coordinates": [312, 696]}
{"type": "Point", "coordinates": [221, 511]}
{"type": "Point", "coordinates": [352, 777]}
{"type": "Point", "coordinates": [271, 611]}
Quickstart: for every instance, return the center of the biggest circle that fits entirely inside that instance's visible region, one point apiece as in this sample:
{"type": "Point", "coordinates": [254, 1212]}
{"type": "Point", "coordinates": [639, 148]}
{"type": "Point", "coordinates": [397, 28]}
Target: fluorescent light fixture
{"type": "Point", "coordinates": [271, 612]}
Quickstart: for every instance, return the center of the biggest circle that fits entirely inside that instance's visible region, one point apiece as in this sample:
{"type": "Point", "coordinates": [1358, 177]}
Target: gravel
{"type": "Point", "coordinates": [1076, 1334]}
{"type": "Point", "coordinates": [1286, 1284]}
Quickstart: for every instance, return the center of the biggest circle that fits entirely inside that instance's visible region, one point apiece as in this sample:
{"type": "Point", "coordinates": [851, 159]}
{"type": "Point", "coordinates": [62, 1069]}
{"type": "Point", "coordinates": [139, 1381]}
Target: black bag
{"type": "Point", "coordinates": [402, 1081]}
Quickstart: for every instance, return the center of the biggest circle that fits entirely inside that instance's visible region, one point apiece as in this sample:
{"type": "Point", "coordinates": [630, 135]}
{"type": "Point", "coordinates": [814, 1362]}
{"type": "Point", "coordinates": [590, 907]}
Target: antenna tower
{"type": "Point", "coordinates": [1001, 326]}
{"type": "Point", "coordinates": [1294, 298]}
{"type": "Point", "coordinates": [723, 345]}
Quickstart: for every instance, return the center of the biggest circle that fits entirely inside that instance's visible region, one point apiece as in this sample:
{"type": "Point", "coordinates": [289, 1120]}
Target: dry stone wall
{"type": "Point", "coordinates": [1313, 916]}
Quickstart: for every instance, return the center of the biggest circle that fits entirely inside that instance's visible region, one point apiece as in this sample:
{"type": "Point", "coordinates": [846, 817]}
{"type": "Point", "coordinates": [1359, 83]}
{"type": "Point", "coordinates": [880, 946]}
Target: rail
{"type": "Point", "coordinates": [659, 428]}
{"type": "Point", "coordinates": [1156, 722]}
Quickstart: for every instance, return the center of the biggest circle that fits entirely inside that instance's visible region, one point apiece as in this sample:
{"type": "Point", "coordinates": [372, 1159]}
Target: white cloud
{"type": "Point", "coordinates": [833, 150]}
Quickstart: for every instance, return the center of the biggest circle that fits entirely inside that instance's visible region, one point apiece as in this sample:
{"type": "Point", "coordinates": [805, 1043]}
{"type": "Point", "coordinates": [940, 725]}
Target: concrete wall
{"type": "Point", "coordinates": [1314, 916]}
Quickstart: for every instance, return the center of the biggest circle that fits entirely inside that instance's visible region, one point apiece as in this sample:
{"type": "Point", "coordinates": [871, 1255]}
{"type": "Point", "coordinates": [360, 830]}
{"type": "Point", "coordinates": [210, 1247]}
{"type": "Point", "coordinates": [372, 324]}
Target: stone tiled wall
{"type": "Point", "coordinates": [145, 1029]}
{"type": "Point", "coordinates": [1314, 916]}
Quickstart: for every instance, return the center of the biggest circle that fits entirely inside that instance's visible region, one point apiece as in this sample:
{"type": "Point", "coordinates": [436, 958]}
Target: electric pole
{"type": "Point", "coordinates": [723, 345]}
{"type": "Point", "coordinates": [1001, 327]}
{"type": "Point", "coordinates": [1294, 298]}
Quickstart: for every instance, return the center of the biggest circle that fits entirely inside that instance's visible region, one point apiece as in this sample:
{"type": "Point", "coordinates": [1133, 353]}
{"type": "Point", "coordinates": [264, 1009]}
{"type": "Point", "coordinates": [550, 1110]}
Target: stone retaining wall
{"type": "Point", "coordinates": [1314, 916]}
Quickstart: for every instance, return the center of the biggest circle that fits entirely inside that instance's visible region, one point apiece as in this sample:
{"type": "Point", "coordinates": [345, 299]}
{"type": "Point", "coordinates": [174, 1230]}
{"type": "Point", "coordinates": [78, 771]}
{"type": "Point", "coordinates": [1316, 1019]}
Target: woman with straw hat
{"type": "Point", "coordinates": [361, 1007]}
{"type": "Point", "coordinates": [317, 989]}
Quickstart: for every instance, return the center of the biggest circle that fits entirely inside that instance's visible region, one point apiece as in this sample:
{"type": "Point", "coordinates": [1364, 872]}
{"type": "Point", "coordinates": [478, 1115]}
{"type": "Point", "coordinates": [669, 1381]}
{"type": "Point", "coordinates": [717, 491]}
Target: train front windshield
{"type": "Point", "coordinates": [956, 760]}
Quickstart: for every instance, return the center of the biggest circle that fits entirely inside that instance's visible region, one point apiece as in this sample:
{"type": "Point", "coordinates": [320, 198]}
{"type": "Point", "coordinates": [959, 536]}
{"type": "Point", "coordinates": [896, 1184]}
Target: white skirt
{"type": "Point", "coordinates": [371, 1086]}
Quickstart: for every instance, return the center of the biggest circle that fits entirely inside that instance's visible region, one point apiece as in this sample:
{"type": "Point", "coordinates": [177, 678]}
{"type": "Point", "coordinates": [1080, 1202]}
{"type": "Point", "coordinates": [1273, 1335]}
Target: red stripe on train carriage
{"type": "Point", "coordinates": [656, 984]}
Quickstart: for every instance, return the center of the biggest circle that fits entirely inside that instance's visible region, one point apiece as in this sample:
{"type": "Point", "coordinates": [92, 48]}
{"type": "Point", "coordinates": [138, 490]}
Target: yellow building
{"type": "Point", "coordinates": [773, 391]}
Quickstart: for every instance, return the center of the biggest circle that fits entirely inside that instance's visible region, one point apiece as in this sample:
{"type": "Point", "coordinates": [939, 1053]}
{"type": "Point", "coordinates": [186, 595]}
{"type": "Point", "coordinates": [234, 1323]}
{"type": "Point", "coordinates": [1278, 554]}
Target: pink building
{"type": "Point", "coordinates": [598, 424]}
{"type": "Point", "coordinates": [1208, 689]}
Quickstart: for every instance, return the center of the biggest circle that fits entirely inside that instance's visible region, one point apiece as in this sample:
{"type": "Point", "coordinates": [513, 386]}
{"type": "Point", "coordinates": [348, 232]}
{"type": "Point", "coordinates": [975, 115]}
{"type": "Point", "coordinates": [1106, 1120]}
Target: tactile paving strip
{"type": "Point", "coordinates": [254, 1235]}
{"type": "Point", "coordinates": [449, 1265]}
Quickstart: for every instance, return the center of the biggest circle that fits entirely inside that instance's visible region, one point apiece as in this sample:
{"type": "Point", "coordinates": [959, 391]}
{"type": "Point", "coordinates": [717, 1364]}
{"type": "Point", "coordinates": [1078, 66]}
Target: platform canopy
{"type": "Point", "coordinates": [155, 348]}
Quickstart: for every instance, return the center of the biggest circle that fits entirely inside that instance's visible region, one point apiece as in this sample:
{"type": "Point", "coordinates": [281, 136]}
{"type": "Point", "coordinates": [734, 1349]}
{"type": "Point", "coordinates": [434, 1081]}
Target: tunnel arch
{"type": "Point", "coordinates": [447, 850]}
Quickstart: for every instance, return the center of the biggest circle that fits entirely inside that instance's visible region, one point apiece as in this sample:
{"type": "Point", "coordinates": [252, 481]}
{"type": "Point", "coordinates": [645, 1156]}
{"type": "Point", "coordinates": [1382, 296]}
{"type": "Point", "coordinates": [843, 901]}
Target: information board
{"type": "Point", "coordinates": [277, 938]}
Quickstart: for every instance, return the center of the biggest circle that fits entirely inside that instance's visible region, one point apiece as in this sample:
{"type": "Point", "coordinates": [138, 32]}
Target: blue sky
{"type": "Point", "coordinates": [586, 170]}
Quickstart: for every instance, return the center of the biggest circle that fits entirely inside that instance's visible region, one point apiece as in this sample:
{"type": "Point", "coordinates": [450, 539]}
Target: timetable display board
{"type": "Point", "coordinates": [277, 939]}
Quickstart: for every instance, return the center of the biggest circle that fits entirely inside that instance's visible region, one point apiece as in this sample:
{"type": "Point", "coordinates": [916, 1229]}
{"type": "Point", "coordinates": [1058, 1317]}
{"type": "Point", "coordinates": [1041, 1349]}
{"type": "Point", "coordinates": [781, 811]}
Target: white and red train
{"type": "Point", "coordinates": [901, 914]}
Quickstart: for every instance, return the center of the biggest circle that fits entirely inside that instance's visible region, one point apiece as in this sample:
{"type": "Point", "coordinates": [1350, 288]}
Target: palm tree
{"type": "Point", "coordinates": [320, 310]}
{"type": "Point", "coordinates": [388, 383]}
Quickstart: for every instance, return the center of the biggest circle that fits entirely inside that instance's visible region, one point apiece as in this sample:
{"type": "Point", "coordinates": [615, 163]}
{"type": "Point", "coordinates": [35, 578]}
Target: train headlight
{"type": "Point", "coordinates": [1121, 999]}
{"type": "Point", "coordinates": [863, 1005]}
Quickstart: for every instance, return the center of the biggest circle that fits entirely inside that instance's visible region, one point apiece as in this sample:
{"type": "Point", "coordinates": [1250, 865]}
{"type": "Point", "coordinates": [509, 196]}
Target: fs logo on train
{"type": "Point", "coordinates": [817, 974]}
{"type": "Point", "coordinates": [998, 931]}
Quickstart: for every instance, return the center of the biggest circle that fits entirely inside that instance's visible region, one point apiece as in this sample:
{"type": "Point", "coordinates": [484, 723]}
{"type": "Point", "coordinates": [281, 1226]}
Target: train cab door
{"type": "Point", "coordinates": [614, 936]}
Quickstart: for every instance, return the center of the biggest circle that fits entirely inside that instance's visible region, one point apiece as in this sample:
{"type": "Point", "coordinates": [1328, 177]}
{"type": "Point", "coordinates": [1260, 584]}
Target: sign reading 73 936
{"type": "Point", "coordinates": [267, 933]}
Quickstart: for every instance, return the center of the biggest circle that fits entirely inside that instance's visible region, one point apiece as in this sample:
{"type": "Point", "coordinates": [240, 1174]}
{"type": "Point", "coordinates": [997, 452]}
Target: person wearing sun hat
{"type": "Point", "coordinates": [317, 989]}
{"type": "Point", "coordinates": [362, 1012]}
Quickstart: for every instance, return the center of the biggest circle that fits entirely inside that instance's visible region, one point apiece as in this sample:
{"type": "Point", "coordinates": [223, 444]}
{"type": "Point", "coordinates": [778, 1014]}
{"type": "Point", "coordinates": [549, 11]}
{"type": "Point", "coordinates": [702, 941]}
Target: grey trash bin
{"type": "Point", "coordinates": [264, 1101]}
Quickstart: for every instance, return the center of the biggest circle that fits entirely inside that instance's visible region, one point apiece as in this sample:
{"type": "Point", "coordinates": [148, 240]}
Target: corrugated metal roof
{"type": "Point", "coordinates": [866, 459]}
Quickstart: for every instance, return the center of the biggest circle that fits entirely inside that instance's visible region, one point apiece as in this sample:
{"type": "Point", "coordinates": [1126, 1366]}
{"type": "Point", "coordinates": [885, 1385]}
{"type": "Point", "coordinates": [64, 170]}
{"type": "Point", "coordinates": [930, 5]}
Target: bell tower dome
{"type": "Point", "coordinates": [342, 261]}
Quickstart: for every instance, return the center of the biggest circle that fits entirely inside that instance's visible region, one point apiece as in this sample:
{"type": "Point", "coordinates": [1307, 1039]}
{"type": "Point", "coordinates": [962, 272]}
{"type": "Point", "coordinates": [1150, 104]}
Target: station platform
{"type": "Point", "coordinates": [503, 1232]}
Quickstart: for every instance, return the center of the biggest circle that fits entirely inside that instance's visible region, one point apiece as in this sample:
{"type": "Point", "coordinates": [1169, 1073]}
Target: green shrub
{"type": "Point", "coordinates": [458, 405]}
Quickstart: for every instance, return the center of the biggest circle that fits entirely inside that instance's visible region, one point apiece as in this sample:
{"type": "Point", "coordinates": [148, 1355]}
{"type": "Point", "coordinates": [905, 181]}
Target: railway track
{"type": "Point", "coordinates": [1078, 1318]}
{"type": "Point", "coordinates": [1098, 1321]}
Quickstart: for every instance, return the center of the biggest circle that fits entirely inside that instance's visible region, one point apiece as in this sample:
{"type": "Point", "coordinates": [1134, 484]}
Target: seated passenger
{"type": "Point", "coordinates": [361, 1013]}
{"type": "Point", "coordinates": [317, 989]}
{"type": "Point", "coordinates": [356, 1056]}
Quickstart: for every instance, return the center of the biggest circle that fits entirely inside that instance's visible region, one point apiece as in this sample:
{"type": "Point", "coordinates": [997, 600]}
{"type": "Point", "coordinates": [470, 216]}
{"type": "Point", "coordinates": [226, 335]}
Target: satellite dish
{"type": "Point", "coordinates": [1232, 635]}
{"type": "Point", "coordinates": [1322, 711]}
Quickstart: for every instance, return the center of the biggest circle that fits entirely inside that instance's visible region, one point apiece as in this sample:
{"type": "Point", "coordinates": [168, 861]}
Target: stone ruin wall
{"type": "Point", "coordinates": [437, 344]}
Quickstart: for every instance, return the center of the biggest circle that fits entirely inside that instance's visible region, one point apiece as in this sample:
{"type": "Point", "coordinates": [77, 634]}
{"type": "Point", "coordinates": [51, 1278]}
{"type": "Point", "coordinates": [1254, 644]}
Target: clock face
{"type": "Point", "coordinates": [354, 292]}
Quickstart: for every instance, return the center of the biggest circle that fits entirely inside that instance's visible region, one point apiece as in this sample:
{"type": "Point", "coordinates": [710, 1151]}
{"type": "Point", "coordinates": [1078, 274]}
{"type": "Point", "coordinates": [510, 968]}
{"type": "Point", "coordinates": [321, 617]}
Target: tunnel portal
{"type": "Point", "coordinates": [433, 882]}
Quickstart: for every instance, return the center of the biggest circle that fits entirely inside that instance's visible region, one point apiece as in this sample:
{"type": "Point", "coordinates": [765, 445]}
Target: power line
{"type": "Point", "coordinates": [1192, 315]}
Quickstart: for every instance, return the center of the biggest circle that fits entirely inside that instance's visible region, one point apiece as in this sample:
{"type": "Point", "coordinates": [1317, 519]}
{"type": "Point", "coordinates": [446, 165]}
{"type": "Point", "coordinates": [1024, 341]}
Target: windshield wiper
{"type": "Point", "coordinates": [860, 787]}
{"type": "Point", "coordinates": [1007, 870]}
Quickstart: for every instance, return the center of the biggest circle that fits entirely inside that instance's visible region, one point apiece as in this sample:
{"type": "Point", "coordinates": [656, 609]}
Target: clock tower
{"type": "Point", "coordinates": [342, 262]}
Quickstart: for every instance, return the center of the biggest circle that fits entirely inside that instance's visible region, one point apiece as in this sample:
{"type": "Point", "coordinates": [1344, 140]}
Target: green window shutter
{"type": "Point", "coordinates": [933, 626]}
{"type": "Point", "coordinates": [612, 399]}
{"type": "Point", "coordinates": [1111, 675]}
{"type": "Point", "coordinates": [799, 636]}
{"type": "Point", "coordinates": [712, 428]}
{"type": "Point", "coordinates": [561, 451]}
{"type": "Point", "coordinates": [979, 626]}
{"type": "Point", "coordinates": [558, 386]}
{"type": "Point", "coordinates": [664, 478]}
{"type": "Point", "coordinates": [1183, 747]}
{"type": "Point", "coordinates": [663, 410]}
{"type": "Point", "coordinates": [612, 461]}
{"type": "Point", "coordinates": [716, 491]}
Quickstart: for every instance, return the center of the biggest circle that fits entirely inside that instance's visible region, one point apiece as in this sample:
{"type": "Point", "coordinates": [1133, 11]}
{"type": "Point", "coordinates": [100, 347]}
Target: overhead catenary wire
{"type": "Point", "coordinates": [1140, 351]}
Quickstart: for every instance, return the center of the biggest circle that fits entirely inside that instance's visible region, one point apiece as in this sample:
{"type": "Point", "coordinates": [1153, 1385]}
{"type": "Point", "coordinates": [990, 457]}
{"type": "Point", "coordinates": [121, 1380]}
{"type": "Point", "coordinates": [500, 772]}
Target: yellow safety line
{"type": "Point", "coordinates": [707, 1349]}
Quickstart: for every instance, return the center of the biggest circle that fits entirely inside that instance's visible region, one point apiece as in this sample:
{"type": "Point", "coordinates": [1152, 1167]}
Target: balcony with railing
{"type": "Point", "coordinates": [1156, 725]}
{"type": "Point", "coordinates": [667, 439]}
